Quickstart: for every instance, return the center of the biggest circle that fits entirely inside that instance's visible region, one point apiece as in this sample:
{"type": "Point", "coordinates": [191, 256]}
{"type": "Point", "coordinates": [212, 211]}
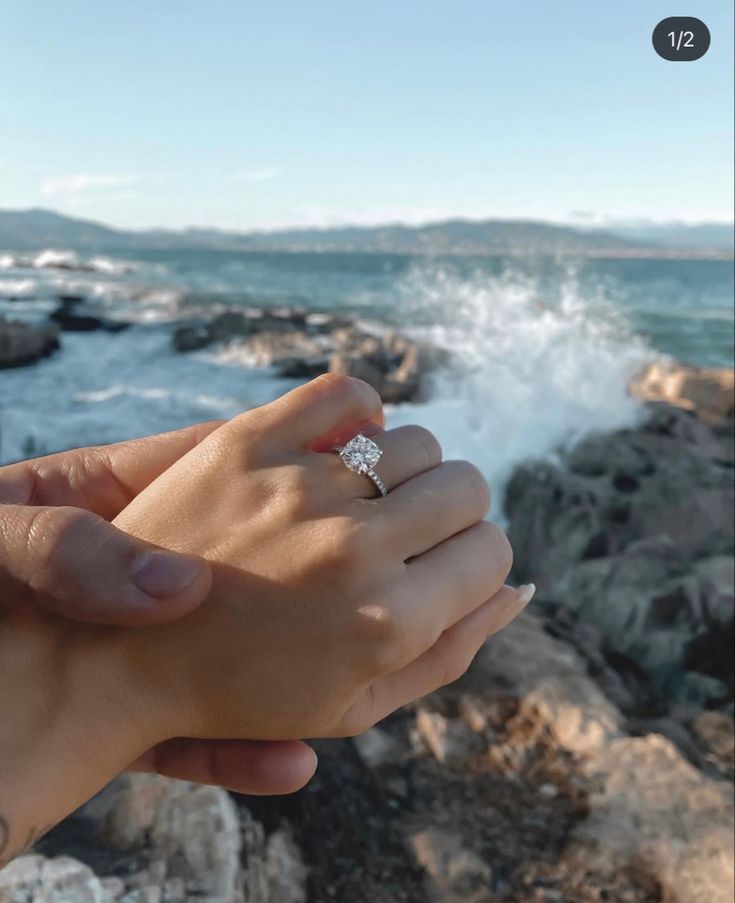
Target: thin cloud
{"type": "Point", "coordinates": [81, 182]}
{"type": "Point", "coordinates": [255, 176]}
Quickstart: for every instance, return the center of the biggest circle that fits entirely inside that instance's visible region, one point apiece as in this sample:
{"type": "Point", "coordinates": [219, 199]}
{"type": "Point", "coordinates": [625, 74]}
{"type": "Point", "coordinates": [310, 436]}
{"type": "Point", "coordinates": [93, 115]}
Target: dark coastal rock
{"type": "Point", "coordinates": [633, 533]}
{"type": "Point", "coordinates": [69, 318]}
{"type": "Point", "coordinates": [22, 344]}
{"type": "Point", "coordinates": [191, 338]}
{"type": "Point", "coordinates": [303, 345]}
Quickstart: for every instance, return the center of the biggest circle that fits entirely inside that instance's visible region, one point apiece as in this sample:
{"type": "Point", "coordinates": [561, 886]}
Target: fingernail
{"type": "Point", "coordinates": [164, 573]}
{"type": "Point", "coordinates": [526, 593]}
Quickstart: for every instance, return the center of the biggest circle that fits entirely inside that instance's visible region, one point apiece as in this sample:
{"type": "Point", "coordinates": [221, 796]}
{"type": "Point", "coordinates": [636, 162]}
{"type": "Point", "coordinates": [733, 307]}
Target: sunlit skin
{"type": "Point", "coordinates": [329, 608]}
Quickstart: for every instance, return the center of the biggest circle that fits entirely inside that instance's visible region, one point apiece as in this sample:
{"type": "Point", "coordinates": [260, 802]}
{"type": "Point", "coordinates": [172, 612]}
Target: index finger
{"type": "Point", "coordinates": [102, 478]}
{"type": "Point", "coordinates": [318, 409]}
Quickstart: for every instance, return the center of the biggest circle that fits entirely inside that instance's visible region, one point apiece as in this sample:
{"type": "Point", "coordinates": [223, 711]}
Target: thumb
{"type": "Point", "coordinates": [74, 563]}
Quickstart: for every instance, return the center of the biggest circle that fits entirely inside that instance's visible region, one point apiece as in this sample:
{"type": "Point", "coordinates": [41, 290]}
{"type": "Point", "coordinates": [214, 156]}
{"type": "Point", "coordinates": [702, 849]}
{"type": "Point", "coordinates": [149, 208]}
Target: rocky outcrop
{"type": "Point", "coordinates": [21, 343]}
{"type": "Point", "coordinates": [302, 345]}
{"type": "Point", "coordinates": [710, 391]}
{"type": "Point", "coordinates": [190, 842]}
{"type": "Point", "coordinates": [633, 532]}
{"type": "Point", "coordinates": [36, 879]}
{"type": "Point", "coordinates": [656, 815]}
{"type": "Point", "coordinates": [71, 316]}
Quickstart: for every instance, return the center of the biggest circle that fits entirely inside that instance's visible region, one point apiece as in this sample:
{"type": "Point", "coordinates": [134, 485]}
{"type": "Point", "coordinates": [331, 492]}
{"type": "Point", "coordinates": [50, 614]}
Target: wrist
{"type": "Point", "coordinates": [70, 719]}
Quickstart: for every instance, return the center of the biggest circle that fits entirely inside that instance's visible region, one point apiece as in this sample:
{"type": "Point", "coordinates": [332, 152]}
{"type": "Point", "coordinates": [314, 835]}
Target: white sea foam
{"type": "Point", "coordinates": [113, 266]}
{"type": "Point", "coordinates": [51, 258]}
{"type": "Point", "coordinates": [17, 288]}
{"type": "Point", "coordinates": [529, 375]}
{"type": "Point", "coordinates": [105, 388]}
{"type": "Point", "coordinates": [54, 259]}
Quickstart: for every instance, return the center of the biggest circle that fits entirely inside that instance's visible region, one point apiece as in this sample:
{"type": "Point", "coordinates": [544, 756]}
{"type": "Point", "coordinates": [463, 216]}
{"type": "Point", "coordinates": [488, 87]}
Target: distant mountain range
{"type": "Point", "coordinates": [23, 230]}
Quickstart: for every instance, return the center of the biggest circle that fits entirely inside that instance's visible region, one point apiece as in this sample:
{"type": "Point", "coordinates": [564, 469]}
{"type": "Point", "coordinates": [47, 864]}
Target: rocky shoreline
{"type": "Point", "coordinates": [296, 343]}
{"type": "Point", "coordinates": [587, 754]}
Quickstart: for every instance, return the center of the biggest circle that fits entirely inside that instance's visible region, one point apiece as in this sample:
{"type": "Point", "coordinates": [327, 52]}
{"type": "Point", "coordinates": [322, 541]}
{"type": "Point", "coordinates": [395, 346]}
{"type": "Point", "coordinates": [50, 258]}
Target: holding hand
{"type": "Point", "coordinates": [330, 608]}
{"type": "Point", "coordinates": [59, 553]}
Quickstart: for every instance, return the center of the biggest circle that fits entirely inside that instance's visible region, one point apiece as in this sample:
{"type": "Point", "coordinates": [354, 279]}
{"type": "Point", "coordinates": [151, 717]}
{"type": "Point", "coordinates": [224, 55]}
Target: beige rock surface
{"type": "Point", "coordinates": [655, 812]}
{"type": "Point", "coordinates": [708, 390]}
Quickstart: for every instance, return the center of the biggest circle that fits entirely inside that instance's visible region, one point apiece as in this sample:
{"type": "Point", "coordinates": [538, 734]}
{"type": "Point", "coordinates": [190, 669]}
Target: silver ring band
{"type": "Point", "coordinates": [378, 482]}
{"type": "Point", "coordinates": [360, 455]}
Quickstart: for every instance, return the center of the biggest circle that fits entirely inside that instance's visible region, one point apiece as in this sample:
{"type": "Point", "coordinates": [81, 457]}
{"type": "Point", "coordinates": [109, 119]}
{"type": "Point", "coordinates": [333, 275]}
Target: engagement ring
{"type": "Point", "coordinates": [361, 455]}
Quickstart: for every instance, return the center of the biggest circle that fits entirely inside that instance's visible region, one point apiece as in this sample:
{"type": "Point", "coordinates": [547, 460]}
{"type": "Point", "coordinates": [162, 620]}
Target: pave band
{"type": "Point", "coordinates": [360, 455]}
{"type": "Point", "coordinates": [378, 482]}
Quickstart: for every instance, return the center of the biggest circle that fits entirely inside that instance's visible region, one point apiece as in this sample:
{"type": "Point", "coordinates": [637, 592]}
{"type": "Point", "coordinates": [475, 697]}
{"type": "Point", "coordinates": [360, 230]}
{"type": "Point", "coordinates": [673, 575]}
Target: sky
{"type": "Point", "coordinates": [248, 115]}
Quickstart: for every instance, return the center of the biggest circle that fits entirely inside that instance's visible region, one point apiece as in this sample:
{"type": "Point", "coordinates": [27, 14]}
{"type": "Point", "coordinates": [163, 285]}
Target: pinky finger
{"type": "Point", "coordinates": [445, 662]}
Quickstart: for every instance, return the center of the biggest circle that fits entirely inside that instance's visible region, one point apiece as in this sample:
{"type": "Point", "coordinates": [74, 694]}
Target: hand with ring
{"type": "Point", "coordinates": [331, 605]}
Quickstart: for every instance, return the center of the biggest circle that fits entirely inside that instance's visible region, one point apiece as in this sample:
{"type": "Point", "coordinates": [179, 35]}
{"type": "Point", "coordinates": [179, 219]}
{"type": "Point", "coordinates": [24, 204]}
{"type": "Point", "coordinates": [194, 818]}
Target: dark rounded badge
{"type": "Point", "coordinates": [681, 38]}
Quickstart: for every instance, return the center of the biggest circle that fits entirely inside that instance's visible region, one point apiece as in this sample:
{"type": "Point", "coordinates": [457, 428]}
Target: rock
{"type": "Point", "coordinates": [232, 325]}
{"type": "Point", "coordinates": [673, 730]}
{"type": "Point", "coordinates": [303, 367]}
{"type": "Point", "coordinates": [191, 338]}
{"type": "Point", "coordinates": [549, 681]}
{"type": "Point", "coordinates": [302, 346]}
{"type": "Point", "coordinates": [274, 871]}
{"type": "Point", "coordinates": [656, 814]}
{"type": "Point", "coordinates": [22, 344]}
{"type": "Point", "coordinates": [708, 391]}
{"type": "Point", "coordinates": [358, 366]}
{"type": "Point", "coordinates": [377, 747]}
{"type": "Point", "coordinates": [197, 844]}
{"type": "Point", "coordinates": [69, 319]}
{"type": "Point", "coordinates": [455, 874]}
{"type": "Point", "coordinates": [633, 532]}
{"type": "Point", "coordinates": [716, 579]}
{"type": "Point", "coordinates": [450, 740]}
{"type": "Point", "coordinates": [114, 888]}
{"type": "Point", "coordinates": [716, 730]}
{"type": "Point", "coordinates": [144, 895]}
{"type": "Point", "coordinates": [36, 879]}
{"type": "Point", "coordinates": [193, 832]}
{"type": "Point", "coordinates": [280, 348]}
{"type": "Point", "coordinates": [394, 365]}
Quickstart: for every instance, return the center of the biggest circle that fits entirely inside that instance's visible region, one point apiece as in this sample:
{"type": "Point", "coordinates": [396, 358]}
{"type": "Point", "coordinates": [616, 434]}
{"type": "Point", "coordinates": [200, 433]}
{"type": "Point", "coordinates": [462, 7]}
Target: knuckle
{"type": "Point", "coordinates": [17, 485]}
{"type": "Point", "coordinates": [382, 637]}
{"type": "Point", "coordinates": [53, 531]}
{"type": "Point", "coordinates": [476, 485]}
{"type": "Point", "coordinates": [457, 664]}
{"type": "Point", "coordinates": [456, 655]}
{"type": "Point", "coordinates": [429, 445]}
{"type": "Point", "coordinates": [502, 551]}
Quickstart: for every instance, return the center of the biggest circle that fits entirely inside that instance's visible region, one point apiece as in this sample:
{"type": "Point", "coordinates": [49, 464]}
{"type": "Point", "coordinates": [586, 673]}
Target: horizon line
{"type": "Point", "coordinates": [579, 224]}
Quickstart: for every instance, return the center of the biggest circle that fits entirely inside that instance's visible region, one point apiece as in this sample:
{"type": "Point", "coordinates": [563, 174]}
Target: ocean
{"type": "Point", "coordinates": [541, 349]}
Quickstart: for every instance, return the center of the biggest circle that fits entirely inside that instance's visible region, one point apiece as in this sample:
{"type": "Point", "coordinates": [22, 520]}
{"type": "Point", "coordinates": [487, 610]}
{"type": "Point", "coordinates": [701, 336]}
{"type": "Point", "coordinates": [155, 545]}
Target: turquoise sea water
{"type": "Point", "coordinates": [681, 307]}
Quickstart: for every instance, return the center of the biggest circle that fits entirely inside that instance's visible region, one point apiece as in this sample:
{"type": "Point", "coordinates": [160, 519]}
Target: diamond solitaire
{"type": "Point", "coordinates": [361, 455]}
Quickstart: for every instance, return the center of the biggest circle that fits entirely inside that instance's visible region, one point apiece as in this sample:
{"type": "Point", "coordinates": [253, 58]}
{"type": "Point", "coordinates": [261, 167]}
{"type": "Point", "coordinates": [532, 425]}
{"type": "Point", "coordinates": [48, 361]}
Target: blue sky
{"type": "Point", "coordinates": [241, 114]}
